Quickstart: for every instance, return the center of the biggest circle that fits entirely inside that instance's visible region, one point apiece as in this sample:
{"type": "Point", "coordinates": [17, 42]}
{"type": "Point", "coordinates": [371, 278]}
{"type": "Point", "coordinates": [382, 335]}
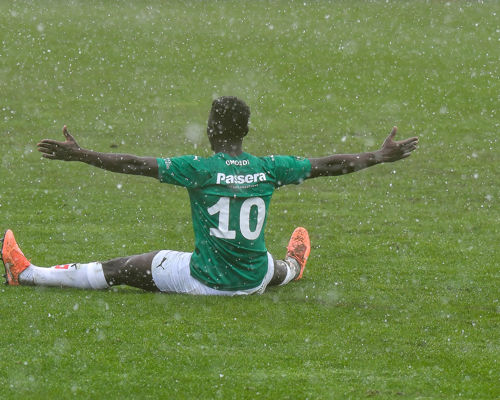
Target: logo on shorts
{"type": "Point", "coordinates": [160, 265]}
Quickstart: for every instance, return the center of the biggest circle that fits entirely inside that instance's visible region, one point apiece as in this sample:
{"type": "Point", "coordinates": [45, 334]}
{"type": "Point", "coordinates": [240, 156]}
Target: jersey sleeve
{"type": "Point", "coordinates": [291, 170]}
{"type": "Point", "coordinates": [186, 171]}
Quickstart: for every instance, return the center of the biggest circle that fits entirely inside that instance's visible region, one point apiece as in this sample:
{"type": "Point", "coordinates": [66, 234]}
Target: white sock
{"type": "Point", "coordinates": [292, 270]}
{"type": "Point", "coordinates": [26, 277]}
{"type": "Point", "coordinates": [83, 276]}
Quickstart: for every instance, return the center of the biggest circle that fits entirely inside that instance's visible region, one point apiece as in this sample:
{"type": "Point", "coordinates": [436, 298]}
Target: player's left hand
{"type": "Point", "coordinates": [55, 150]}
{"type": "Point", "coordinates": [396, 150]}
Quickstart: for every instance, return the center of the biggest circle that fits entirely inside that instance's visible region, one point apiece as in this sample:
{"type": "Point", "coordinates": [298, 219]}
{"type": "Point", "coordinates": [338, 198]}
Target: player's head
{"type": "Point", "coordinates": [228, 120]}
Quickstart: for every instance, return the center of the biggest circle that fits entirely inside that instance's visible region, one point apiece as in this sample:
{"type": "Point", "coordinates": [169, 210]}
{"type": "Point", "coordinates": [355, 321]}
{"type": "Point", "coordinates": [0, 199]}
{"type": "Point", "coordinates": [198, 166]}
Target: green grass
{"type": "Point", "coordinates": [400, 298]}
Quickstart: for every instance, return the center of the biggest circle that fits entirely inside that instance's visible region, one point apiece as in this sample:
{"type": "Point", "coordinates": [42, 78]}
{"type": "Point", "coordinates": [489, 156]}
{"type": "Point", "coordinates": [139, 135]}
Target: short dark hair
{"type": "Point", "coordinates": [228, 118]}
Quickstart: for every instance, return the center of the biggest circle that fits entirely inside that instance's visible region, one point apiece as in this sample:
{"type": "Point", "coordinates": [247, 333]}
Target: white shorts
{"type": "Point", "coordinates": [171, 274]}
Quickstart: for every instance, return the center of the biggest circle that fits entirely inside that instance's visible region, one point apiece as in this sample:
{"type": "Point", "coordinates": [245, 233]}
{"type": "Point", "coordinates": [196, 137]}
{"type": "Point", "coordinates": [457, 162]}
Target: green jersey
{"type": "Point", "coordinates": [230, 199]}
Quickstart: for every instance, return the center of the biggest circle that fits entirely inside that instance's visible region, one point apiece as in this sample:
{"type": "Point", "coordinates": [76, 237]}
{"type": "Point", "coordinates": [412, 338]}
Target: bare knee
{"type": "Point", "coordinates": [280, 271]}
{"type": "Point", "coordinates": [113, 269]}
{"type": "Point", "coordinates": [133, 271]}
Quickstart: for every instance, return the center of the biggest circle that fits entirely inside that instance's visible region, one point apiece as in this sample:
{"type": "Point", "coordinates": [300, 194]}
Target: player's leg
{"type": "Point", "coordinates": [134, 270]}
{"type": "Point", "coordinates": [20, 271]}
{"type": "Point", "coordinates": [292, 267]}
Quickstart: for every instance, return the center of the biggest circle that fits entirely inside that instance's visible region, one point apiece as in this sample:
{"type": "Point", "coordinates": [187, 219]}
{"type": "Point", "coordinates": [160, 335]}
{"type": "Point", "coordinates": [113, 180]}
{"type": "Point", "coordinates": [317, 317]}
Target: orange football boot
{"type": "Point", "coordinates": [13, 259]}
{"type": "Point", "coordinates": [299, 248]}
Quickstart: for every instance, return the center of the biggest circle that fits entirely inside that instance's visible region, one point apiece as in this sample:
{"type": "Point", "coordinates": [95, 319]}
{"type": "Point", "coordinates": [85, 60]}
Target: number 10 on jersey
{"type": "Point", "coordinates": [222, 208]}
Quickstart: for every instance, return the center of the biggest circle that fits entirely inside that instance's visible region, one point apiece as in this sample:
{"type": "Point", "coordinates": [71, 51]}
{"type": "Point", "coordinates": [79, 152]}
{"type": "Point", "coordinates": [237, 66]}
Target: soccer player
{"type": "Point", "coordinates": [230, 194]}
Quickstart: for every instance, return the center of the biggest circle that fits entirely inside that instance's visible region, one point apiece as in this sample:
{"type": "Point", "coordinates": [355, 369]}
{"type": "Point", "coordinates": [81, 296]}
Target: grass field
{"type": "Point", "coordinates": [400, 298]}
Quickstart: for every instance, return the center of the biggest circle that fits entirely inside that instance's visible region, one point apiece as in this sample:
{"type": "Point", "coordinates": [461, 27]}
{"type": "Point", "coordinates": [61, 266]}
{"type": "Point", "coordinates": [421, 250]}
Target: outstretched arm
{"type": "Point", "coordinates": [69, 150]}
{"type": "Point", "coordinates": [339, 164]}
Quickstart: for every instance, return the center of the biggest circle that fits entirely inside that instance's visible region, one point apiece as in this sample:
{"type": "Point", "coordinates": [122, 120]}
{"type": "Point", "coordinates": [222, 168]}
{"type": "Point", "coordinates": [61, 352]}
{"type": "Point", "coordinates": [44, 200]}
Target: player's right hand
{"type": "Point", "coordinates": [396, 150]}
{"type": "Point", "coordinates": [54, 150]}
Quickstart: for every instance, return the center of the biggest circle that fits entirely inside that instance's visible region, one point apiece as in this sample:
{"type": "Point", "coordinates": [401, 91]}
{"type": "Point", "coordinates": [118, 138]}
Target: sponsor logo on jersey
{"type": "Point", "coordinates": [222, 178]}
{"type": "Point", "coordinates": [237, 162]}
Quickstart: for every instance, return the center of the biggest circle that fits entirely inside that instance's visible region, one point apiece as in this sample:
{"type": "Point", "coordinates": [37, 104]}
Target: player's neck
{"type": "Point", "coordinates": [232, 149]}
